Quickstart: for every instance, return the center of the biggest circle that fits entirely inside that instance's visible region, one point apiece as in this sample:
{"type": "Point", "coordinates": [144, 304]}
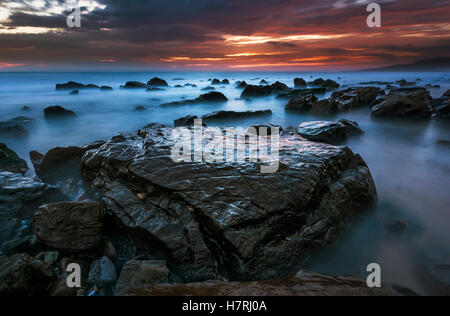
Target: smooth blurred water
{"type": "Point", "coordinates": [410, 170]}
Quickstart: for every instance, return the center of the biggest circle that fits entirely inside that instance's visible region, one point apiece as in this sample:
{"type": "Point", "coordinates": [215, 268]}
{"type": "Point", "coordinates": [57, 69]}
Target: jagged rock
{"type": "Point", "coordinates": [10, 161]}
{"type": "Point", "coordinates": [241, 84]}
{"type": "Point", "coordinates": [302, 103]}
{"type": "Point", "coordinates": [54, 112]}
{"type": "Point", "coordinates": [134, 85]}
{"type": "Point", "coordinates": [103, 275]}
{"type": "Point", "coordinates": [213, 220]}
{"type": "Point", "coordinates": [304, 283]}
{"type": "Point", "coordinates": [136, 274]}
{"type": "Point", "coordinates": [228, 115]}
{"type": "Point", "coordinates": [353, 98]}
{"type": "Point", "coordinates": [299, 83]}
{"type": "Point", "coordinates": [211, 97]}
{"type": "Point", "coordinates": [328, 132]}
{"type": "Point", "coordinates": [20, 196]}
{"type": "Point", "coordinates": [71, 85]}
{"type": "Point", "coordinates": [22, 275]}
{"type": "Point", "coordinates": [263, 82]}
{"type": "Point", "coordinates": [60, 163]}
{"type": "Point", "coordinates": [411, 105]}
{"type": "Point", "coordinates": [106, 88]}
{"type": "Point", "coordinates": [157, 82]}
{"type": "Point", "coordinates": [73, 226]}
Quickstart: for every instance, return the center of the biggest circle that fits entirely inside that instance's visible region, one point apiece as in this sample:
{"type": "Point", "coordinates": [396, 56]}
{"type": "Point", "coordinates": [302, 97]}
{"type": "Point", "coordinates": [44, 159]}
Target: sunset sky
{"type": "Point", "coordinates": [227, 35]}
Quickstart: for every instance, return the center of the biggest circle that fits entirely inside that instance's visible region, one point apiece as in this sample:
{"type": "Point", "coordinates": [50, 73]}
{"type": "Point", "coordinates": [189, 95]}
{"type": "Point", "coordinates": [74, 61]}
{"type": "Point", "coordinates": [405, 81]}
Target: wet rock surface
{"type": "Point", "coordinates": [55, 112]}
{"type": "Point", "coordinates": [304, 283]}
{"type": "Point", "coordinates": [328, 131]}
{"type": "Point", "coordinates": [210, 221]}
{"type": "Point", "coordinates": [411, 105]}
{"type": "Point", "coordinates": [73, 226]}
{"type": "Point", "coordinates": [303, 103]}
{"type": "Point", "coordinates": [20, 196]}
{"type": "Point", "coordinates": [10, 161]}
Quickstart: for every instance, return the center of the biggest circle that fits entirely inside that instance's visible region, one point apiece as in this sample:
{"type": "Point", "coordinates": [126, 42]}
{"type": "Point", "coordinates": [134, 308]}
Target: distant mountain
{"type": "Point", "coordinates": [435, 64]}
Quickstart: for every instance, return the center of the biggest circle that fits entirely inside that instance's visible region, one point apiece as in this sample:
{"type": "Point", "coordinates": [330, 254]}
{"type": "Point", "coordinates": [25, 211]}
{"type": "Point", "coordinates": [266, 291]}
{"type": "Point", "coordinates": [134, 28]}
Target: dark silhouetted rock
{"type": "Point", "coordinates": [55, 112]}
{"type": "Point", "coordinates": [241, 84]}
{"type": "Point", "coordinates": [301, 103]}
{"type": "Point", "coordinates": [214, 220]}
{"type": "Point", "coordinates": [157, 82]}
{"type": "Point", "coordinates": [140, 108]}
{"type": "Point", "coordinates": [10, 161]}
{"type": "Point", "coordinates": [75, 92]}
{"type": "Point", "coordinates": [263, 82]}
{"type": "Point", "coordinates": [106, 88]}
{"type": "Point", "coordinates": [134, 85]}
{"type": "Point", "coordinates": [353, 98]}
{"type": "Point", "coordinates": [75, 86]}
{"type": "Point", "coordinates": [185, 121]}
{"type": "Point", "coordinates": [411, 105]}
{"type": "Point", "coordinates": [209, 89]}
{"type": "Point", "coordinates": [403, 83]}
{"type": "Point", "coordinates": [22, 275]}
{"type": "Point", "coordinates": [20, 196]}
{"type": "Point", "coordinates": [299, 83]}
{"type": "Point", "coordinates": [211, 97]}
{"type": "Point", "coordinates": [229, 115]}
{"type": "Point", "coordinates": [72, 226]}
{"type": "Point", "coordinates": [441, 107]}
{"type": "Point", "coordinates": [327, 84]}
{"type": "Point", "coordinates": [301, 92]}
{"type": "Point", "coordinates": [215, 82]}
{"type": "Point", "coordinates": [225, 82]}
{"type": "Point", "coordinates": [304, 283]}
{"type": "Point", "coordinates": [256, 91]}
{"type": "Point", "coordinates": [137, 274]}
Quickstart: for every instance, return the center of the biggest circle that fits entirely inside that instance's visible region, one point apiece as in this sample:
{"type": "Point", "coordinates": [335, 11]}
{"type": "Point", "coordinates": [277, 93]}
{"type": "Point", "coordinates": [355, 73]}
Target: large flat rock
{"type": "Point", "coordinates": [214, 220]}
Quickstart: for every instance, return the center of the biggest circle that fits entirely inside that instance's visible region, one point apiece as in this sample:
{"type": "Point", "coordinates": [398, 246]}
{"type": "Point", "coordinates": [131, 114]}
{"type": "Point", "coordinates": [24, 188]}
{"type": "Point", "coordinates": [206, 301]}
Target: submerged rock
{"type": "Point", "coordinates": [72, 226]}
{"type": "Point", "coordinates": [411, 105]}
{"type": "Point", "coordinates": [22, 275]}
{"type": "Point", "coordinates": [211, 97]}
{"type": "Point", "coordinates": [71, 85]}
{"type": "Point", "coordinates": [304, 283]}
{"type": "Point", "coordinates": [134, 85]}
{"type": "Point", "coordinates": [55, 112]}
{"type": "Point", "coordinates": [10, 161]}
{"type": "Point", "coordinates": [157, 82]}
{"type": "Point", "coordinates": [20, 196]}
{"type": "Point", "coordinates": [215, 220]}
{"type": "Point", "coordinates": [75, 92]}
{"type": "Point", "coordinates": [106, 88]}
{"type": "Point", "coordinates": [208, 89]}
{"type": "Point", "coordinates": [137, 274]}
{"type": "Point", "coordinates": [226, 115]}
{"type": "Point", "coordinates": [329, 132]}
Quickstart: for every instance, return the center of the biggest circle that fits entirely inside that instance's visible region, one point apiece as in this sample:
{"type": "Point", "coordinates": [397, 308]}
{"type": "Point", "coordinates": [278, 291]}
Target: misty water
{"type": "Point", "coordinates": [411, 170]}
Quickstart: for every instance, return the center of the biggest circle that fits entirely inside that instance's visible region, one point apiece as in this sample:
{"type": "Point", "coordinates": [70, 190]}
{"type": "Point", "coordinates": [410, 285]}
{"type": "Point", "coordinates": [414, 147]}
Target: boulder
{"type": "Point", "coordinates": [23, 275]}
{"type": "Point", "coordinates": [225, 82]}
{"type": "Point", "coordinates": [411, 105]}
{"type": "Point", "coordinates": [230, 115]}
{"type": "Point", "coordinates": [328, 132]}
{"type": "Point", "coordinates": [301, 103]}
{"type": "Point", "coordinates": [20, 196]}
{"type": "Point", "coordinates": [10, 161]}
{"type": "Point", "coordinates": [256, 91]}
{"type": "Point", "coordinates": [157, 82]}
{"type": "Point", "coordinates": [102, 275]}
{"type": "Point", "coordinates": [241, 84]}
{"type": "Point", "coordinates": [60, 163]}
{"type": "Point", "coordinates": [216, 82]}
{"type": "Point", "coordinates": [55, 112]}
{"type": "Point", "coordinates": [299, 83]}
{"type": "Point", "coordinates": [71, 226]}
{"type": "Point", "coordinates": [304, 283]}
{"type": "Point", "coordinates": [185, 121]}
{"type": "Point", "coordinates": [71, 85]}
{"type": "Point", "coordinates": [211, 97]}
{"type": "Point", "coordinates": [215, 220]}
{"type": "Point", "coordinates": [134, 85]}
{"type": "Point", "coordinates": [138, 274]}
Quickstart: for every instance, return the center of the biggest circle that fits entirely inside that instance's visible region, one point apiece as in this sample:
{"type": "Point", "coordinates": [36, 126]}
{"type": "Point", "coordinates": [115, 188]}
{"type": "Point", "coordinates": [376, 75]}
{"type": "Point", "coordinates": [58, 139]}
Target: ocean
{"type": "Point", "coordinates": [410, 169]}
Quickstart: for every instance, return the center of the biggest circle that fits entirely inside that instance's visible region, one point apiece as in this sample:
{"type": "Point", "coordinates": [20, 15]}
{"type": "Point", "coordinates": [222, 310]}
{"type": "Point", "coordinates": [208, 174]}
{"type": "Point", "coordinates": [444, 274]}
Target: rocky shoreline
{"type": "Point", "coordinates": [133, 219]}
